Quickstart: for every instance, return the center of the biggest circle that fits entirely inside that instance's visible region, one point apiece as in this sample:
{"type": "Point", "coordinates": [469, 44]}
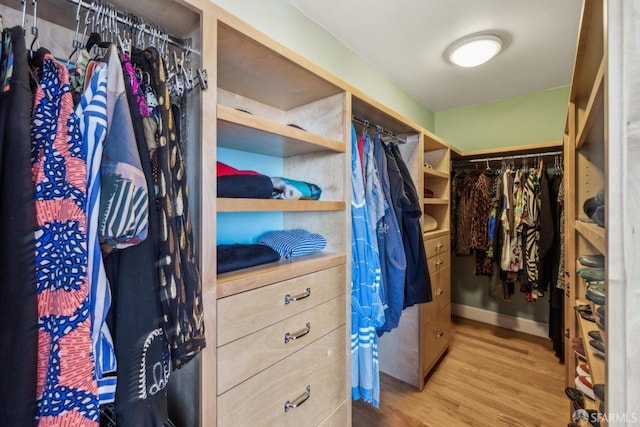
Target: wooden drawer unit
{"type": "Point", "coordinates": [438, 252]}
{"type": "Point", "coordinates": [339, 417]}
{"type": "Point", "coordinates": [441, 288]}
{"type": "Point", "coordinates": [245, 357]}
{"type": "Point", "coordinates": [244, 313]}
{"type": "Point", "coordinates": [436, 329]}
{"type": "Point", "coordinates": [297, 391]}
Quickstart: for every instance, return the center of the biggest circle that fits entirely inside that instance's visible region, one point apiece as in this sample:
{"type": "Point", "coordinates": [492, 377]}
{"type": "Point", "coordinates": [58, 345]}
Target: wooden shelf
{"type": "Point", "coordinates": [433, 142]}
{"type": "Point", "coordinates": [435, 201]}
{"type": "Point", "coordinates": [246, 279]}
{"type": "Point", "coordinates": [540, 147]}
{"type": "Point", "coordinates": [246, 132]}
{"type": "Point", "coordinates": [276, 205]}
{"type": "Point", "coordinates": [593, 234]}
{"type": "Point", "coordinates": [596, 365]}
{"type": "Point", "coordinates": [591, 121]}
{"type": "Point", "coordinates": [430, 173]}
{"type": "Point", "coordinates": [434, 233]}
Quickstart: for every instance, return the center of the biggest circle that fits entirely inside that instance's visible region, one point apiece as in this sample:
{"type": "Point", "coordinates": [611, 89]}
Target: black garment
{"type": "Point", "coordinates": [547, 247]}
{"type": "Point", "coordinates": [135, 318]}
{"type": "Point", "coordinates": [248, 186]}
{"type": "Point", "coordinates": [235, 257]}
{"type": "Point", "coordinates": [406, 204]}
{"type": "Point", "coordinates": [18, 304]}
{"type": "Point", "coordinates": [556, 295]}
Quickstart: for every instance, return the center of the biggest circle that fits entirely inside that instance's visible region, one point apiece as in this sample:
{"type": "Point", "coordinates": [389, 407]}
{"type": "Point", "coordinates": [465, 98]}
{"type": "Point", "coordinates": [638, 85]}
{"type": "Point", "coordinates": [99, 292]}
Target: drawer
{"type": "Point", "coordinates": [319, 368]}
{"type": "Point", "coordinates": [441, 288]}
{"type": "Point", "coordinates": [241, 314]}
{"type": "Point", "coordinates": [437, 245]}
{"type": "Point", "coordinates": [436, 335]}
{"type": "Point", "coordinates": [338, 418]}
{"type": "Point", "coordinates": [439, 261]}
{"type": "Point", "coordinates": [245, 357]}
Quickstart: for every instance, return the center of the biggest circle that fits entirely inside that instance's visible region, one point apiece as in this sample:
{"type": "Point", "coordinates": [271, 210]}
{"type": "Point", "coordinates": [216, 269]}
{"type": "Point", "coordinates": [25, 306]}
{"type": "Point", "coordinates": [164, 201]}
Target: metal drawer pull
{"type": "Point", "coordinates": [439, 245]}
{"type": "Point", "coordinates": [288, 337]}
{"type": "Point", "coordinates": [439, 291]}
{"type": "Point", "coordinates": [299, 401]}
{"type": "Point", "coordinates": [439, 334]}
{"type": "Point", "coordinates": [439, 262]}
{"type": "Point", "coordinates": [288, 298]}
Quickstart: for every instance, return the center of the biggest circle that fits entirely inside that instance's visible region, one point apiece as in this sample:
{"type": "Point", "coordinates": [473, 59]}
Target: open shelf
{"type": "Point", "coordinates": [246, 132]}
{"type": "Point", "coordinates": [246, 279]}
{"type": "Point", "coordinates": [435, 201]}
{"type": "Point", "coordinates": [590, 120]}
{"type": "Point", "coordinates": [593, 233]}
{"type": "Point", "coordinates": [276, 205]}
{"type": "Point", "coordinates": [431, 173]}
{"type": "Point", "coordinates": [596, 365]}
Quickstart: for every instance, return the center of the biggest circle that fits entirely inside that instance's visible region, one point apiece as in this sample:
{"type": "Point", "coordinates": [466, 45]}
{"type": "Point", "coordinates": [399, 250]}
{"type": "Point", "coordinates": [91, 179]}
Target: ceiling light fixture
{"type": "Point", "coordinates": [472, 51]}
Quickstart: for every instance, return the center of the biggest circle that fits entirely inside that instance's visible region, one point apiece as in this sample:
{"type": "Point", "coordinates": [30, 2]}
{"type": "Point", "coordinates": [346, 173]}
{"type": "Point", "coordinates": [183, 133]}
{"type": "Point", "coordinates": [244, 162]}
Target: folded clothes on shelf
{"type": "Point", "coordinates": [236, 256]}
{"type": "Point", "coordinates": [591, 273]}
{"type": "Point", "coordinates": [285, 188]}
{"type": "Point", "coordinates": [596, 261]}
{"type": "Point", "coordinates": [293, 243]}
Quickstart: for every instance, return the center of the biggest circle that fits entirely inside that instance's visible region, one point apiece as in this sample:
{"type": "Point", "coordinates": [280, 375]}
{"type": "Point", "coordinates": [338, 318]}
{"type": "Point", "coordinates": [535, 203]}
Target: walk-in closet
{"type": "Point", "coordinates": [290, 213]}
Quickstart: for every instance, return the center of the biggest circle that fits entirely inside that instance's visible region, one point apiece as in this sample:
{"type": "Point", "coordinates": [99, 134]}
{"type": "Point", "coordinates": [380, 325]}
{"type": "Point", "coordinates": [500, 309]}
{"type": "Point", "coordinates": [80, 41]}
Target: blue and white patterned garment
{"type": "Point", "coordinates": [92, 114]}
{"type": "Point", "coordinates": [293, 243]}
{"type": "Point", "coordinates": [366, 307]}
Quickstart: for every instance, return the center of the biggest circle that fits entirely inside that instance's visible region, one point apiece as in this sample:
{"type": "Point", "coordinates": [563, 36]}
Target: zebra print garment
{"type": "Point", "coordinates": [531, 218]}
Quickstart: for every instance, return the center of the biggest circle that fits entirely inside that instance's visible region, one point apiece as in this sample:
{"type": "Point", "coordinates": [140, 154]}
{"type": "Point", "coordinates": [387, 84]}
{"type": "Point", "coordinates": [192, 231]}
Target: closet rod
{"type": "Point", "coordinates": [378, 129]}
{"type": "Point", "coordinates": [515, 156]}
{"type": "Point", "coordinates": [122, 19]}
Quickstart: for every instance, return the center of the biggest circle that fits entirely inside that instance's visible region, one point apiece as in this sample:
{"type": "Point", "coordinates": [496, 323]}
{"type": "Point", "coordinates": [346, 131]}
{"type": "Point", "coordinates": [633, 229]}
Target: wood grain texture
{"type": "Point", "coordinates": [277, 205]}
{"type": "Point", "coordinates": [490, 377]}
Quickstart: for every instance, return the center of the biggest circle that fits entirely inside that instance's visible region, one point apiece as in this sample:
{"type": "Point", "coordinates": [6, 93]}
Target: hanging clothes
{"type": "Point", "coordinates": [142, 349]}
{"type": "Point", "coordinates": [180, 285]}
{"type": "Point", "coordinates": [393, 262]}
{"type": "Point", "coordinates": [67, 390]}
{"type": "Point", "coordinates": [367, 312]}
{"type": "Point", "coordinates": [406, 201]}
{"type": "Point", "coordinates": [92, 115]}
{"type": "Point", "coordinates": [18, 303]}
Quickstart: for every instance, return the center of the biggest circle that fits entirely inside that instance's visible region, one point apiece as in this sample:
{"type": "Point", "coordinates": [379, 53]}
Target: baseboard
{"type": "Point", "coordinates": [527, 326]}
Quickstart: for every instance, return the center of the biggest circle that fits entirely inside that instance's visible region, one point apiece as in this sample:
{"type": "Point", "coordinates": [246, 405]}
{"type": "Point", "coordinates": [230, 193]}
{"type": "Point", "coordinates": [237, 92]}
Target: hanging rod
{"type": "Point", "coordinates": [121, 17]}
{"type": "Point", "coordinates": [378, 129]}
{"type": "Point", "coordinates": [512, 157]}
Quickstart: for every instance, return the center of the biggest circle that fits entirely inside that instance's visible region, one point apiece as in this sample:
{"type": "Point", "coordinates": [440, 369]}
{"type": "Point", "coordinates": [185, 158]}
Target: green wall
{"type": "Point", "coordinates": [286, 24]}
{"type": "Point", "coordinates": [538, 117]}
{"type": "Point", "coordinates": [527, 119]}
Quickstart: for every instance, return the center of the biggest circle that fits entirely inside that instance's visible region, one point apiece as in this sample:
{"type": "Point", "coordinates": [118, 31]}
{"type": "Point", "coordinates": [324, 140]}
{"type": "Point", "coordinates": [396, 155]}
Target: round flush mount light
{"type": "Point", "coordinates": [475, 50]}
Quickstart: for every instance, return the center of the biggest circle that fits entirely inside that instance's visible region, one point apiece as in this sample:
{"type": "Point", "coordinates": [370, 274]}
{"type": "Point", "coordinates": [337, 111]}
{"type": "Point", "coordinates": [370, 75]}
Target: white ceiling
{"type": "Point", "coordinates": [406, 40]}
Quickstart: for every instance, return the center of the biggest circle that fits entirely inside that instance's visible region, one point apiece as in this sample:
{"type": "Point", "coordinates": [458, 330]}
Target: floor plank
{"type": "Point", "coordinates": [490, 377]}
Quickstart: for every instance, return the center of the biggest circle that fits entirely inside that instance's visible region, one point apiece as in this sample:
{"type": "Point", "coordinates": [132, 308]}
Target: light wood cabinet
{"type": "Point", "coordinates": [585, 174]}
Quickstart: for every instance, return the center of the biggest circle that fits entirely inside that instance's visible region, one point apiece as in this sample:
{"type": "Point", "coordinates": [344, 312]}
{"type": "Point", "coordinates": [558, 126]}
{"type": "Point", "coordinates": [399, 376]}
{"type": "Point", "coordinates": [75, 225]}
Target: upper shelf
{"type": "Point", "coordinates": [590, 121]}
{"type": "Point", "coordinates": [593, 234]}
{"type": "Point", "coordinates": [276, 205]}
{"type": "Point", "coordinates": [430, 172]}
{"type": "Point", "coordinates": [435, 201]}
{"type": "Point", "coordinates": [246, 279]}
{"type": "Point", "coordinates": [246, 132]}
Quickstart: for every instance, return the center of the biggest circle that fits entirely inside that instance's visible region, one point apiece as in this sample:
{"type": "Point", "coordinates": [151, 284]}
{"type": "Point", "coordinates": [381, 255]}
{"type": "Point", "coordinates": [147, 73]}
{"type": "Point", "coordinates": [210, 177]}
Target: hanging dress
{"type": "Point", "coordinates": [366, 308]}
{"type": "Point", "coordinates": [67, 390]}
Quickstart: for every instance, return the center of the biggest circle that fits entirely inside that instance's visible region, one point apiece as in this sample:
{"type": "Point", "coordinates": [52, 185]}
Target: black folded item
{"type": "Point", "coordinates": [245, 186]}
{"type": "Point", "coordinates": [237, 256]}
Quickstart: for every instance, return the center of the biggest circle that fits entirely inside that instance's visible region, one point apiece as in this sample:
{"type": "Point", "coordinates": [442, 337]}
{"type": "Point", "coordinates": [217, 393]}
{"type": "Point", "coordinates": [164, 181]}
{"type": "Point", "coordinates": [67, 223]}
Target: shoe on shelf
{"type": "Point", "coordinates": [598, 391]}
{"type": "Point", "coordinates": [591, 273]}
{"type": "Point", "coordinates": [596, 294]}
{"type": "Point", "coordinates": [598, 348]}
{"type": "Point", "coordinates": [575, 395]}
{"type": "Point", "coordinates": [592, 260]}
{"type": "Point", "coordinates": [588, 316]}
{"type": "Point", "coordinates": [583, 383]}
{"type": "Point", "coordinates": [595, 335]}
{"type": "Point", "coordinates": [600, 323]}
{"type": "Point", "coordinates": [583, 369]}
{"type": "Point", "coordinates": [578, 348]}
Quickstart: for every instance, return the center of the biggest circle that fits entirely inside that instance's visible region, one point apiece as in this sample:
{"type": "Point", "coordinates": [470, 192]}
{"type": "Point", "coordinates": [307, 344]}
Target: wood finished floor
{"type": "Point", "coordinates": [490, 377]}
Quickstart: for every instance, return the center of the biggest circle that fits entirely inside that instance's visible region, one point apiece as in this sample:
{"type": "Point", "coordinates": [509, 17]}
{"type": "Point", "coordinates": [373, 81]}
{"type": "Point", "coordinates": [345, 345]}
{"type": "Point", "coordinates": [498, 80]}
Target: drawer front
{"type": "Point", "coordinates": [339, 417]}
{"type": "Point", "coordinates": [437, 245]}
{"type": "Point", "coordinates": [441, 288]}
{"type": "Point", "coordinates": [318, 369]}
{"type": "Point", "coordinates": [241, 314]}
{"type": "Point", "coordinates": [245, 357]}
{"type": "Point", "coordinates": [436, 335]}
{"type": "Point", "coordinates": [438, 253]}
